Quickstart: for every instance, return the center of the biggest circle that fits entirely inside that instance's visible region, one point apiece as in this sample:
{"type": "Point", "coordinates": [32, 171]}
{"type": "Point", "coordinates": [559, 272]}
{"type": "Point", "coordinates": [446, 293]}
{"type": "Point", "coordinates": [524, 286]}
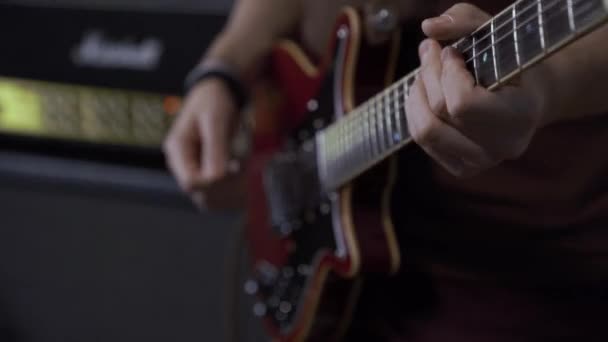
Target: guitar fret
{"type": "Point", "coordinates": [344, 142]}
{"type": "Point", "coordinates": [321, 142]}
{"type": "Point", "coordinates": [358, 134]}
{"type": "Point", "coordinates": [506, 54]}
{"type": "Point", "coordinates": [485, 66]}
{"type": "Point", "coordinates": [391, 112]}
{"type": "Point", "coordinates": [493, 39]}
{"type": "Point", "coordinates": [352, 143]}
{"type": "Point", "coordinates": [382, 121]}
{"type": "Point", "coordinates": [380, 130]}
{"type": "Point", "coordinates": [541, 27]}
{"type": "Point", "coordinates": [515, 39]}
{"type": "Point", "coordinates": [362, 154]}
{"type": "Point", "coordinates": [368, 134]}
{"type": "Point", "coordinates": [558, 22]}
{"type": "Point", "coordinates": [334, 148]}
{"type": "Point", "coordinates": [372, 126]}
{"type": "Point", "coordinates": [374, 133]}
{"type": "Point", "coordinates": [518, 37]}
{"type": "Point", "coordinates": [475, 70]}
{"type": "Point", "coordinates": [571, 16]}
{"type": "Point", "coordinates": [403, 116]}
{"type": "Point", "coordinates": [350, 151]}
{"type": "Point", "coordinates": [356, 146]}
{"type": "Point", "coordinates": [398, 135]}
{"type": "Point", "coordinates": [387, 114]}
{"type": "Point", "coordinates": [467, 49]}
{"type": "Point", "coordinates": [528, 36]}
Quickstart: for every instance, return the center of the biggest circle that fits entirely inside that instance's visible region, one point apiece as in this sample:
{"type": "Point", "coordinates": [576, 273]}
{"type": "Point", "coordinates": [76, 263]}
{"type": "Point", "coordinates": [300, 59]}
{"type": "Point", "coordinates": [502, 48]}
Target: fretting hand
{"type": "Point", "coordinates": [463, 126]}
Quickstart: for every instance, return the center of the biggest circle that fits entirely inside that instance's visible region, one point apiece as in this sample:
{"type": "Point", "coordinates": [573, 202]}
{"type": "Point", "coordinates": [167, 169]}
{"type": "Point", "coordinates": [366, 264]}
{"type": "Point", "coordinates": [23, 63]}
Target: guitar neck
{"type": "Point", "coordinates": [522, 35]}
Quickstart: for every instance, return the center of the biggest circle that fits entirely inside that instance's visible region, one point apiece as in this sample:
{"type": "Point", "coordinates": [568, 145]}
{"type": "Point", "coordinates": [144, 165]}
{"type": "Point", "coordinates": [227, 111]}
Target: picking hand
{"type": "Point", "coordinates": [197, 147]}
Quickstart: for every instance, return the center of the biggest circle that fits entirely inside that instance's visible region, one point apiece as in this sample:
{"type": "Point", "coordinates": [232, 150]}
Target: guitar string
{"type": "Point", "coordinates": [380, 98]}
{"type": "Point", "coordinates": [509, 22]}
{"type": "Point", "coordinates": [396, 99]}
{"type": "Point", "coordinates": [506, 35]}
{"type": "Point", "coordinates": [355, 120]}
{"type": "Point", "coordinates": [519, 26]}
{"type": "Point", "coordinates": [528, 34]}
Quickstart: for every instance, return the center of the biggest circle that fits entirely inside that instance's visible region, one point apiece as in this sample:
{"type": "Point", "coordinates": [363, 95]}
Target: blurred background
{"type": "Point", "coordinates": [96, 241]}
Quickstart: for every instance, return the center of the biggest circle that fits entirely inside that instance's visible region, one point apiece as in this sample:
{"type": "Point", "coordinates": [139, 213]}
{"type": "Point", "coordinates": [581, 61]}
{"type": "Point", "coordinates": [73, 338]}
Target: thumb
{"type": "Point", "coordinates": [457, 22]}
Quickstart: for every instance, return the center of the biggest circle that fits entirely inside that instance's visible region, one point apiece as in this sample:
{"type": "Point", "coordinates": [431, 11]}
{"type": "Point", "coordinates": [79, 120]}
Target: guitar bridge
{"type": "Point", "coordinates": [292, 187]}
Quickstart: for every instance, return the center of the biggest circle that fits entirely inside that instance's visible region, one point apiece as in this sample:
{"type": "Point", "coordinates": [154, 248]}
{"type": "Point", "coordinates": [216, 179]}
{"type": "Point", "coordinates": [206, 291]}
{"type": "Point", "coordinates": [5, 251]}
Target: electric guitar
{"type": "Point", "coordinates": [322, 170]}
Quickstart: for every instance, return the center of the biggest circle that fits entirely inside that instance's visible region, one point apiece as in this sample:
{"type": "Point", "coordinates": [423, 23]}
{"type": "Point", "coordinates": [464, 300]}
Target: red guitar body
{"type": "Point", "coordinates": [310, 247]}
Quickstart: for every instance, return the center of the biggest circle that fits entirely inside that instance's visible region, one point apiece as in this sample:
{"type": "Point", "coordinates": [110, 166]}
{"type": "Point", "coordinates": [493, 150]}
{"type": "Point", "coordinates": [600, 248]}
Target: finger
{"type": "Point", "coordinates": [416, 112]}
{"type": "Point", "coordinates": [469, 104]}
{"type": "Point", "coordinates": [451, 149]}
{"type": "Point", "coordinates": [215, 151]}
{"type": "Point", "coordinates": [458, 21]}
{"type": "Point", "coordinates": [457, 83]}
{"type": "Point", "coordinates": [430, 72]}
{"type": "Point", "coordinates": [181, 150]}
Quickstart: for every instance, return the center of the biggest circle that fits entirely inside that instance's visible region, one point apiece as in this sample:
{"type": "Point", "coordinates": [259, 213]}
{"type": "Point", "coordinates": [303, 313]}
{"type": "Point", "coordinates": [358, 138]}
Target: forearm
{"type": "Point", "coordinates": [573, 82]}
{"type": "Point", "coordinates": [251, 31]}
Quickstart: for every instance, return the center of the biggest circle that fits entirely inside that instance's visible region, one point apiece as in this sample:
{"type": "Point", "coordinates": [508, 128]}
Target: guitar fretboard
{"type": "Point", "coordinates": [517, 38]}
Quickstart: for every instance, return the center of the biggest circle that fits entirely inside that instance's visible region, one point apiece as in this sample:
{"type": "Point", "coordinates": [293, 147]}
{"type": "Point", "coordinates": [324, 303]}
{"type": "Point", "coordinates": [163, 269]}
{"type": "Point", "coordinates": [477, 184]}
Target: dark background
{"type": "Point", "coordinates": [98, 249]}
{"type": "Point", "coordinates": [203, 6]}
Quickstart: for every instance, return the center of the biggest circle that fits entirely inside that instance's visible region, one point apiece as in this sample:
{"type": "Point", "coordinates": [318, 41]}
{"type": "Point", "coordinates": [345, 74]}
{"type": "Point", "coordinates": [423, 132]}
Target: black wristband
{"type": "Point", "coordinates": [234, 84]}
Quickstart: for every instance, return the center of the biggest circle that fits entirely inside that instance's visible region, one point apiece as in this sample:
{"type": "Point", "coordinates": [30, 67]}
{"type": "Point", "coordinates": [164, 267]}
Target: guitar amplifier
{"type": "Point", "coordinates": [109, 247]}
{"type": "Point", "coordinates": [103, 77]}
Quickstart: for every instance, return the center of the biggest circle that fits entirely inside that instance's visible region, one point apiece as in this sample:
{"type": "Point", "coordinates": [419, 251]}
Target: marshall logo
{"type": "Point", "coordinates": [98, 51]}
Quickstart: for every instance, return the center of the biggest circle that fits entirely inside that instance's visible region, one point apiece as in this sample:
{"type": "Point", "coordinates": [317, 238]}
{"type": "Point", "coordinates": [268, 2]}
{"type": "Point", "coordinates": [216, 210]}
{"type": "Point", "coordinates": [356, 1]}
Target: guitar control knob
{"type": "Point", "coordinates": [288, 272]}
{"type": "Point", "coordinates": [280, 316]}
{"type": "Point", "coordinates": [304, 270]}
{"type": "Point", "coordinates": [266, 273]}
{"type": "Point", "coordinates": [259, 309]}
{"type": "Point", "coordinates": [274, 301]}
{"type": "Point", "coordinates": [251, 287]}
{"type": "Point", "coordinates": [285, 307]}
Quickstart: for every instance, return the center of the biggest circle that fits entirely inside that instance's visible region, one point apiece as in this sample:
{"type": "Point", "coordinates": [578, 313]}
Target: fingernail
{"type": "Point", "coordinates": [440, 20]}
{"type": "Point", "coordinates": [446, 18]}
{"type": "Point", "coordinates": [424, 48]}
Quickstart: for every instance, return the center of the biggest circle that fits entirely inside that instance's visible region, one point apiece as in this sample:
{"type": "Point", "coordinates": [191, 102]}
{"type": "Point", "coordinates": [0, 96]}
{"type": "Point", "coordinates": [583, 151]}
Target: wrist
{"type": "Point", "coordinates": [244, 56]}
{"type": "Point", "coordinates": [213, 69]}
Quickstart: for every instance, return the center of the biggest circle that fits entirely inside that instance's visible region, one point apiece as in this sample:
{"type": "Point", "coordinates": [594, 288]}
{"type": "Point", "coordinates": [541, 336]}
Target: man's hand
{"type": "Point", "coordinates": [463, 126]}
{"type": "Point", "coordinates": [198, 145]}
